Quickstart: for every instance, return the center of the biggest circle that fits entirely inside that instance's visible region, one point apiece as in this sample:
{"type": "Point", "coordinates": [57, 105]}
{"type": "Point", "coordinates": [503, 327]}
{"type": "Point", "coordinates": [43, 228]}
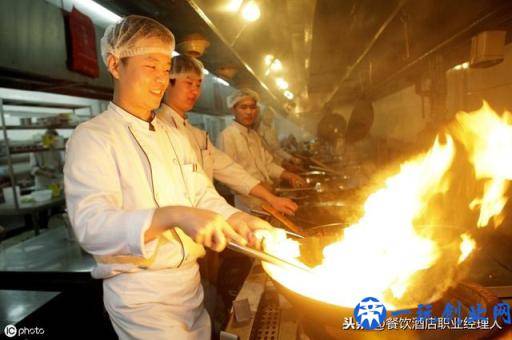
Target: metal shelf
{"type": "Point", "coordinates": [41, 149]}
{"type": "Point", "coordinates": [9, 152]}
{"type": "Point", "coordinates": [40, 127]}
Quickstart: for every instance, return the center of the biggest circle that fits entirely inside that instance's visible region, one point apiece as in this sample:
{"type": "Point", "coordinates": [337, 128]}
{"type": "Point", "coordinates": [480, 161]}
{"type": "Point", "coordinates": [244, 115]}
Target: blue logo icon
{"type": "Point", "coordinates": [370, 313]}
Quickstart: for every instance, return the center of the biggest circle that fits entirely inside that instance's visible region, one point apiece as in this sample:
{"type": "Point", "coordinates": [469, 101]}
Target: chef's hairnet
{"type": "Point", "coordinates": [238, 95]}
{"type": "Point", "coordinates": [182, 64]}
{"type": "Point", "coordinates": [120, 39]}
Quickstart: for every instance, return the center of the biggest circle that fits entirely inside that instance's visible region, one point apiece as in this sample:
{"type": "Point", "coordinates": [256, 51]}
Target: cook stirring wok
{"type": "Point", "coordinates": [181, 96]}
{"type": "Point", "coordinates": [139, 202]}
{"type": "Point", "coordinates": [243, 144]}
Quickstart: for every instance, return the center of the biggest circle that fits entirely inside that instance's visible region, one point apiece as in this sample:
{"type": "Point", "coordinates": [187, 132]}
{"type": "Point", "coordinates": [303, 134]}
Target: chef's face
{"type": "Point", "coordinates": [183, 94]}
{"type": "Point", "coordinates": [142, 79]}
{"type": "Point", "coordinates": [246, 111]}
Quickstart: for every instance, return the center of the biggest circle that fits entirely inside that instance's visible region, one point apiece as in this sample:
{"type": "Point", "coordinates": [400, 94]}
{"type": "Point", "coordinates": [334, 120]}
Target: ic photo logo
{"type": "Point", "coordinates": [370, 313]}
{"type": "Point", "coordinates": [10, 331]}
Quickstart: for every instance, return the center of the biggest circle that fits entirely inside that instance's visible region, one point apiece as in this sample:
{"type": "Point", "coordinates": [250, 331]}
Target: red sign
{"type": "Point", "coordinates": [82, 38]}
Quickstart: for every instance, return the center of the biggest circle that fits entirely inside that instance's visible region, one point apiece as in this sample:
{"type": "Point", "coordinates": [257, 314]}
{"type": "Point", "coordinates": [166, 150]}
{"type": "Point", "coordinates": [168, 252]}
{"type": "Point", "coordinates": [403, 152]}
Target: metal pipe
{"type": "Point", "coordinates": [370, 45]}
{"type": "Point", "coordinates": [217, 32]}
{"type": "Point", "coordinates": [439, 46]}
{"type": "Point", "coordinates": [263, 256]}
{"type": "Point", "coordinates": [8, 151]}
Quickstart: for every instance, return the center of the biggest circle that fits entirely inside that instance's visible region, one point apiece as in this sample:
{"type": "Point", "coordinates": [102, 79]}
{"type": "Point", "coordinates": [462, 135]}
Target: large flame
{"type": "Point", "coordinates": [488, 140]}
{"type": "Point", "coordinates": [384, 254]}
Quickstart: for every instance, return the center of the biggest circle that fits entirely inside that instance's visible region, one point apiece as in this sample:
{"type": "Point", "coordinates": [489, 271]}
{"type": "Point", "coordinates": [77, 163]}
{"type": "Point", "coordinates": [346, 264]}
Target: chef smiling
{"type": "Point", "coordinates": [137, 200]}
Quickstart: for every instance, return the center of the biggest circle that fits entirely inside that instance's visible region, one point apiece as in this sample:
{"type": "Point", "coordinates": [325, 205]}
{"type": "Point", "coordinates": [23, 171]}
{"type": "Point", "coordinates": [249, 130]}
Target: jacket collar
{"type": "Point", "coordinates": [133, 120]}
{"type": "Point", "coordinates": [170, 115]}
{"type": "Point", "coordinates": [242, 128]}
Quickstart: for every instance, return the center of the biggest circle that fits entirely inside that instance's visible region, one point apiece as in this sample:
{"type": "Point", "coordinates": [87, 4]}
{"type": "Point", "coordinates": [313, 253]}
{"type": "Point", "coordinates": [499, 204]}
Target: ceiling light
{"type": "Point", "coordinates": [288, 94]}
{"type": "Point", "coordinates": [463, 66]}
{"type": "Point", "coordinates": [281, 83]}
{"type": "Point", "coordinates": [276, 65]}
{"type": "Point", "coordinates": [221, 81]}
{"type": "Point", "coordinates": [234, 5]}
{"type": "Point", "coordinates": [268, 59]}
{"type": "Point", "coordinates": [251, 11]}
{"type": "Point", "coordinates": [102, 12]}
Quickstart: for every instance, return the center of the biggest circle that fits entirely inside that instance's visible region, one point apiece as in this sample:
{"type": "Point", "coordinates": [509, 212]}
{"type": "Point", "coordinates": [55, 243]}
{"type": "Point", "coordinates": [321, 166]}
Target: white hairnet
{"type": "Point", "coordinates": [182, 64]}
{"type": "Point", "coordinates": [120, 38]}
{"type": "Point", "coordinates": [238, 95]}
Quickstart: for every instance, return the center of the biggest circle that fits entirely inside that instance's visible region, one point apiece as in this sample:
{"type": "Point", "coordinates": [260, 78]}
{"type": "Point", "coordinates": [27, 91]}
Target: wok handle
{"type": "Point", "coordinates": [281, 218]}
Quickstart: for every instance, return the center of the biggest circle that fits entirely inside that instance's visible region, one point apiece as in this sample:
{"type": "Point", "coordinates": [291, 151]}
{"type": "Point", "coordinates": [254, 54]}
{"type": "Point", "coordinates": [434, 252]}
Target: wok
{"type": "Point", "coordinates": [330, 316]}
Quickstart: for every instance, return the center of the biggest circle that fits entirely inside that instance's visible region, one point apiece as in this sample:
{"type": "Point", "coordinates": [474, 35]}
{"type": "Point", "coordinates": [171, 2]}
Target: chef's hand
{"type": "Point", "coordinates": [245, 225]}
{"type": "Point", "coordinates": [283, 205]}
{"type": "Point", "coordinates": [209, 229]}
{"type": "Point", "coordinates": [295, 180]}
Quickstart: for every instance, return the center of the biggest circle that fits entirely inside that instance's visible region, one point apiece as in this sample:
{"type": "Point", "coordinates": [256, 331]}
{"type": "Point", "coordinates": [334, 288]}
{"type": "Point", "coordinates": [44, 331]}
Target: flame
{"type": "Point", "coordinates": [466, 247]}
{"type": "Point", "coordinates": [384, 254]}
{"type": "Point", "coordinates": [488, 140]}
{"type": "Point", "coordinates": [385, 235]}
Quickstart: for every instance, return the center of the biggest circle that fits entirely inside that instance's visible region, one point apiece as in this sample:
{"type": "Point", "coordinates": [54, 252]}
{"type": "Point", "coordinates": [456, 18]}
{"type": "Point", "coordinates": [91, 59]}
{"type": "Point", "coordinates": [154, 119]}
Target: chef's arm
{"type": "Point", "coordinates": [203, 226]}
{"type": "Point", "coordinates": [282, 204]}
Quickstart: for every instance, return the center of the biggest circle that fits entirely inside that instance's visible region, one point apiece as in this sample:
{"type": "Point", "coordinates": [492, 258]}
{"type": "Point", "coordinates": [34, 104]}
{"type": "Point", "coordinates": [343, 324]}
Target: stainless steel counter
{"type": "Point", "coordinates": [48, 261]}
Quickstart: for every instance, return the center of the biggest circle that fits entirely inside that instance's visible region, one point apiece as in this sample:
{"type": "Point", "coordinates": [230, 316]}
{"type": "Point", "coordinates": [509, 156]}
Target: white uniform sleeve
{"type": "Point", "coordinates": [94, 199]}
{"type": "Point", "coordinates": [225, 170]}
{"type": "Point", "coordinates": [227, 144]}
{"type": "Point", "coordinates": [274, 170]}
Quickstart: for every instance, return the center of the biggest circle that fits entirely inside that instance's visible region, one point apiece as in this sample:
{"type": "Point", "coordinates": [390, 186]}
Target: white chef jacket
{"type": "Point", "coordinates": [215, 163]}
{"type": "Point", "coordinates": [117, 172]}
{"type": "Point", "coordinates": [245, 147]}
{"type": "Point", "coordinates": [114, 162]}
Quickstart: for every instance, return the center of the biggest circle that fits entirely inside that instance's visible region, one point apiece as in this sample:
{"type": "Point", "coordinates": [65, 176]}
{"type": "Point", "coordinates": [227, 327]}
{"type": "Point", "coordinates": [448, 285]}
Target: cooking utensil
{"type": "Point", "coordinates": [263, 256]}
{"type": "Point", "coordinates": [281, 218]}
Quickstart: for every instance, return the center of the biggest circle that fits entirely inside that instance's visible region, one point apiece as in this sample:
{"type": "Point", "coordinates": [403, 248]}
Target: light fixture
{"type": "Point", "coordinates": [288, 94]}
{"type": "Point", "coordinates": [463, 66]}
{"type": "Point", "coordinates": [281, 83]}
{"type": "Point", "coordinates": [276, 65]}
{"type": "Point", "coordinates": [234, 5]}
{"type": "Point", "coordinates": [268, 59]}
{"type": "Point", "coordinates": [251, 11]}
{"type": "Point", "coordinates": [174, 53]}
{"type": "Point", "coordinates": [205, 71]}
{"type": "Point", "coordinates": [221, 81]}
{"type": "Point", "coordinates": [100, 11]}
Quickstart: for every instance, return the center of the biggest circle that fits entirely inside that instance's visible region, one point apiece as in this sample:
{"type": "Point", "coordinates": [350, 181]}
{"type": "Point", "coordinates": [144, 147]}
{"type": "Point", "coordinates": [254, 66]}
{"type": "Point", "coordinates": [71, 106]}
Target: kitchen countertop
{"type": "Point", "coordinates": [48, 261]}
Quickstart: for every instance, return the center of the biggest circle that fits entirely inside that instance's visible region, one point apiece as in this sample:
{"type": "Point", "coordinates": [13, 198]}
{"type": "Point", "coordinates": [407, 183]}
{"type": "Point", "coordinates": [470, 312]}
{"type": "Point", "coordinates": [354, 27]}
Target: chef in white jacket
{"type": "Point", "coordinates": [137, 199]}
{"type": "Point", "coordinates": [243, 144]}
{"type": "Point", "coordinates": [181, 95]}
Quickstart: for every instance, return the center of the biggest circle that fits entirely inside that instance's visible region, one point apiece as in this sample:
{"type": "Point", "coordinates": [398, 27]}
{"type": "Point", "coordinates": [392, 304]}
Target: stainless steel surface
{"type": "Point", "coordinates": [16, 305]}
{"type": "Point", "coordinates": [263, 256]}
{"type": "Point", "coordinates": [49, 252]}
